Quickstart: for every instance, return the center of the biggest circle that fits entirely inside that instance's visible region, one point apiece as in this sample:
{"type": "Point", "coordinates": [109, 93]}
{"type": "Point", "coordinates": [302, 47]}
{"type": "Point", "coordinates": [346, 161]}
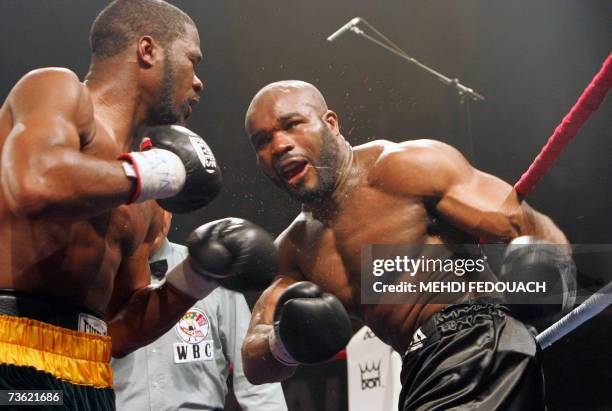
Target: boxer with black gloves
{"type": "Point", "coordinates": [459, 352]}
{"type": "Point", "coordinates": [74, 254]}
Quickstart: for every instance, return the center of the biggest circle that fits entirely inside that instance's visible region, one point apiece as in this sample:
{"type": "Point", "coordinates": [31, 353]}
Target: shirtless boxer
{"type": "Point", "coordinates": [472, 356]}
{"type": "Point", "coordinates": [73, 254]}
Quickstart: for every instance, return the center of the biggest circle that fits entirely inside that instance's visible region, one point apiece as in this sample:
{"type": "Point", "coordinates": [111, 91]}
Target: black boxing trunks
{"type": "Point", "coordinates": [65, 352]}
{"type": "Point", "coordinates": [472, 357]}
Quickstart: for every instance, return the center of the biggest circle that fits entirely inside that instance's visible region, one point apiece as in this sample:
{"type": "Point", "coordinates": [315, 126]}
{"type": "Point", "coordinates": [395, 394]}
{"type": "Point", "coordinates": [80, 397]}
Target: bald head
{"type": "Point", "coordinates": [291, 93]}
{"type": "Point", "coordinates": [296, 138]}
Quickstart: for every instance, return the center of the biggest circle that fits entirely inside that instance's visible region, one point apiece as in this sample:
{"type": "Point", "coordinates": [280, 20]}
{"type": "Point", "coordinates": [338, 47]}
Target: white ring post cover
{"type": "Point", "coordinates": [373, 370]}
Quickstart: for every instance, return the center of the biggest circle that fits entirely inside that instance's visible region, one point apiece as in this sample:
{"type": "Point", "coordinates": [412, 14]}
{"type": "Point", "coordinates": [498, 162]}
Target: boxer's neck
{"type": "Point", "coordinates": [347, 178]}
{"type": "Point", "coordinates": [117, 102]}
{"type": "Point", "coordinates": [346, 174]}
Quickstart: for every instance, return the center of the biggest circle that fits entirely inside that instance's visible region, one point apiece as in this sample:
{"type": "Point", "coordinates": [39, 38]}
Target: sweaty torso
{"type": "Point", "coordinates": [74, 262]}
{"type": "Point", "coordinates": [327, 249]}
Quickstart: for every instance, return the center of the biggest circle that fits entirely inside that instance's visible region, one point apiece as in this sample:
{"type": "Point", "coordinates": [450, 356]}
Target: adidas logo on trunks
{"type": "Point", "coordinates": [417, 340]}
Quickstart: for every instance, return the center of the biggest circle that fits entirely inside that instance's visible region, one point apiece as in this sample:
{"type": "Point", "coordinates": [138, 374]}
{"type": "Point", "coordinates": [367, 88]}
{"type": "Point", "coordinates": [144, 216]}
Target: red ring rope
{"type": "Point", "coordinates": [588, 102]}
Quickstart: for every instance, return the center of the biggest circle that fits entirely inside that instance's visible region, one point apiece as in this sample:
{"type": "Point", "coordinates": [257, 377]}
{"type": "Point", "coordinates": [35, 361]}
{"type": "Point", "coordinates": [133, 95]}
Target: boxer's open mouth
{"type": "Point", "coordinates": [293, 170]}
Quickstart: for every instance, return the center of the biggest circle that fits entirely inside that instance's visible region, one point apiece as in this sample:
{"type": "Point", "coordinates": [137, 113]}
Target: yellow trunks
{"type": "Point", "coordinates": [73, 356]}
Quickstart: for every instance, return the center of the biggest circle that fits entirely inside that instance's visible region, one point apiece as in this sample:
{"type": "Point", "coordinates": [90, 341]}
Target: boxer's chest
{"type": "Point", "coordinates": [128, 226]}
{"type": "Point", "coordinates": [123, 228]}
{"type": "Point", "coordinates": [331, 253]}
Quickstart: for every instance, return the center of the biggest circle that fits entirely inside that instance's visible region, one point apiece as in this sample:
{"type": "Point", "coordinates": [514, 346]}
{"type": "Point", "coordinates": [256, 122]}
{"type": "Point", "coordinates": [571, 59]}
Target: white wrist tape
{"type": "Point", "coordinates": [190, 282]}
{"type": "Point", "coordinates": [278, 350]}
{"type": "Point", "coordinates": [159, 173]}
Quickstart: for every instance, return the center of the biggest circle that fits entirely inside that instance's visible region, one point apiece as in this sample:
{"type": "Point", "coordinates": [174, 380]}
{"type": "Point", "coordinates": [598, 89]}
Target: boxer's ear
{"type": "Point", "coordinates": [331, 119]}
{"type": "Point", "coordinates": [148, 51]}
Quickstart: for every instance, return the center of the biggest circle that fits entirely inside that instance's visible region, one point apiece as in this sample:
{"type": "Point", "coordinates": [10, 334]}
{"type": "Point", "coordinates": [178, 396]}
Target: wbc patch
{"type": "Point", "coordinates": [192, 330]}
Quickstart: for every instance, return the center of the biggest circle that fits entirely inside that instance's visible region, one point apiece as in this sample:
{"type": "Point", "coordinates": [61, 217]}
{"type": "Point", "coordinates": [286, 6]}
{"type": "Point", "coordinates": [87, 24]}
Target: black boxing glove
{"type": "Point", "coordinates": [177, 168]}
{"type": "Point", "coordinates": [528, 259]}
{"type": "Point", "coordinates": [235, 253]}
{"type": "Point", "coordinates": [310, 326]}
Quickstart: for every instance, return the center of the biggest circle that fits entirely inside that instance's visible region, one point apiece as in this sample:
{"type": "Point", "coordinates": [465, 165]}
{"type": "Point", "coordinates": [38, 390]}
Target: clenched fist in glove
{"type": "Point", "coordinates": [310, 326]}
{"type": "Point", "coordinates": [232, 252]}
{"type": "Point", "coordinates": [528, 259]}
{"type": "Point", "coordinates": [176, 167]}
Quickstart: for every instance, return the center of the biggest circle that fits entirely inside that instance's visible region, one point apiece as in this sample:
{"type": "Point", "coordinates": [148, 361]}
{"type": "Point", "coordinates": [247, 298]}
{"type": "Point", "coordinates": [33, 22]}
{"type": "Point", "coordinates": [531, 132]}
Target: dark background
{"type": "Point", "coordinates": [531, 60]}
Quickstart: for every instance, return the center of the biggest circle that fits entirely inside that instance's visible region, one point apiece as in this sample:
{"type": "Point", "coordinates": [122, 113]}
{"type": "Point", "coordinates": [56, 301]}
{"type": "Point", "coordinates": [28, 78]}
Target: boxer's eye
{"type": "Point", "coordinates": [292, 124]}
{"type": "Point", "coordinates": [195, 60]}
{"type": "Point", "coordinates": [261, 141]}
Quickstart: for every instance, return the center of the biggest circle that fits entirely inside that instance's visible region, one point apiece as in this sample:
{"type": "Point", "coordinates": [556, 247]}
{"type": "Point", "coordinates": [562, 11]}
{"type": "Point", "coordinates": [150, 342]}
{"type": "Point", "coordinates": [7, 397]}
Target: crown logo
{"type": "Point", "coordinates": [370, 375]}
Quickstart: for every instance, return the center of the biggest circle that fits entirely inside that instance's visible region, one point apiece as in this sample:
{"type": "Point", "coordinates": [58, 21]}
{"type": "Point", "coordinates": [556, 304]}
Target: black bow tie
{"type": "Point", "coordinates": [159, 268]}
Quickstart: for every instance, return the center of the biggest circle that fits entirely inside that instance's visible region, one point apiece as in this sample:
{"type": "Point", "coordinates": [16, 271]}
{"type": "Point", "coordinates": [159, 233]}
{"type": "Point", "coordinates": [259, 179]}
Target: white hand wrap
{"type": "Point", "coordinates": [190, 282]}
{"type": "Point", "coordinates": [159, 174]}
{"type": "Point", "coordinates": [278, 350]}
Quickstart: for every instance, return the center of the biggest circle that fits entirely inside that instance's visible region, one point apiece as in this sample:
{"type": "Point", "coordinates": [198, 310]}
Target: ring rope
{"type": "Point", "coordinates": [588, 102]}
{"type": "Point", "coordinates": [579, 315]}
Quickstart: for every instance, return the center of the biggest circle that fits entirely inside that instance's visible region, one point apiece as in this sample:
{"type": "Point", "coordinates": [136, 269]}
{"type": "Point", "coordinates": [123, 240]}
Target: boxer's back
{"type": "Point", "coordinates": [74, 261]}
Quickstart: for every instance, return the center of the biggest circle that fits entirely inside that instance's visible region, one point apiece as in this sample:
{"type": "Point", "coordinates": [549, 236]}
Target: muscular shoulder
{"type": "Point", "coordinates": [289, 243]}
{"type": "Point", "coordinates": [61, 83]}
{"type": "Point", "coordinates": [290, 237]}
{"type": "Point", "coordinates": [419, 167]}
{"type": "Point", "coordinates": [52, 91]}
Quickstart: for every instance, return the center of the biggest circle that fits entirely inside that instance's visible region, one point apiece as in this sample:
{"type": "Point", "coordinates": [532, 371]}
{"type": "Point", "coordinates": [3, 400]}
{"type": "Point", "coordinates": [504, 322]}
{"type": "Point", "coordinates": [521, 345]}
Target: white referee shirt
{"type": "Point", "coordinates": [187, 368]}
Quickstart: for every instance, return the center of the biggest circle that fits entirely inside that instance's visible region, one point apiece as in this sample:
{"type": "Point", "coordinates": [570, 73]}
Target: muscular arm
{"type": "Point", "coordinates": [250, 397]}
{"type": "Point", "coordinates": [138, 312]}
{"type": "Point", "coordinates": [44, 172]}
{"type": "Point", "coordinates": [476, 202]}
{"type": "Point", "coordinates": [259, 364]}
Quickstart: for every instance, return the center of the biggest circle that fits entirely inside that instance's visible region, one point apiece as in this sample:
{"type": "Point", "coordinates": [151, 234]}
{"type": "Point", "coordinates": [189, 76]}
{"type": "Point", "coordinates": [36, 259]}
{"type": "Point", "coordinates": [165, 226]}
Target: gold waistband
{"type": "Point", "coordinates": [73, 356]}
